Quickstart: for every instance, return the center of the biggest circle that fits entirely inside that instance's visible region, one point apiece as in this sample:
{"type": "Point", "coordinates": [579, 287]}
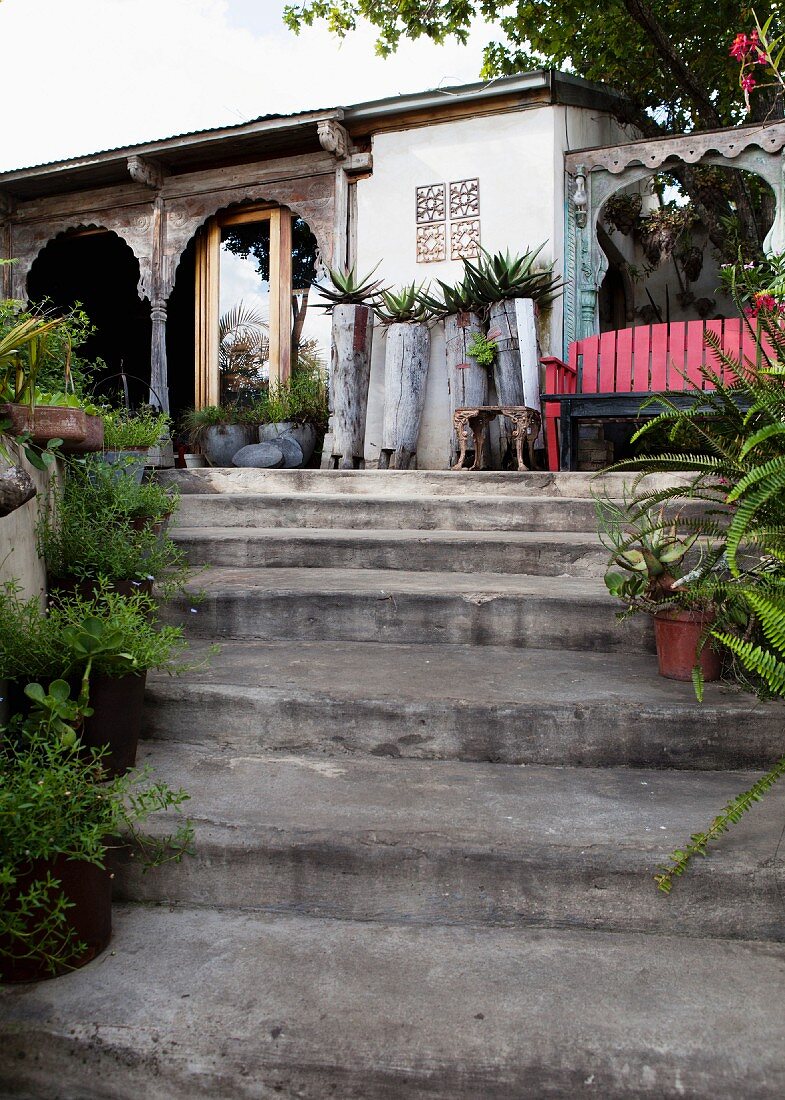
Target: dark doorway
{"type": "Point", "coordinates": [98, 269]}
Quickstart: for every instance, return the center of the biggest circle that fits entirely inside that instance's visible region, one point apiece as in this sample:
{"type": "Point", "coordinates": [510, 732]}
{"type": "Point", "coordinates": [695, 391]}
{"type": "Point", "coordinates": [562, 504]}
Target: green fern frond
{"type": "Point", "coordinates": [771, 615]}
{"type": "Point", "coordinates": [730, 815]}
{"type": "Point", "coordinates": [762, 662]}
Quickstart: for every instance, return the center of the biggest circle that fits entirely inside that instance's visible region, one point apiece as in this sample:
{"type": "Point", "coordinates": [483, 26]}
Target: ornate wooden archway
{"type": "Point", "coordinates": [593, 175]}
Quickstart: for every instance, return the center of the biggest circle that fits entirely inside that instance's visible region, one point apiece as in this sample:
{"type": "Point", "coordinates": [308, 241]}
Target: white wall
{"type": "Point", "coordinates": [517, 157]}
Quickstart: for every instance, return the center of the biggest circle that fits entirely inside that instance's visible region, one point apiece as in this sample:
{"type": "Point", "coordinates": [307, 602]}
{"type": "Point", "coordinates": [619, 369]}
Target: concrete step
{"type": "Point", "coordinates": [422, 513]}
{"type": "Point", "coordinates": [545, 553]}
{"type": "Point", "coordinates": [484, 703]}
{"type": "Point", "coordinates": [448, 842]}
{"type": "Point", "coordinates": [408, 483]}
{"type": "Point", "coordinates": [243, 1006]}
{"type": "Point", "coordinates": [377, 605]}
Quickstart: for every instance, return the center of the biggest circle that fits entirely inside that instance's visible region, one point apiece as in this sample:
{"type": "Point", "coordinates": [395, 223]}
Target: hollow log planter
{"type": "Point", "coordinates": [352, 339]}
{"type": "Point", "coordinates": [406, 360]}
{"type": "Point", "coordinates": [507, 375]}
{"type": "Point", "coordinates": [466, 379]}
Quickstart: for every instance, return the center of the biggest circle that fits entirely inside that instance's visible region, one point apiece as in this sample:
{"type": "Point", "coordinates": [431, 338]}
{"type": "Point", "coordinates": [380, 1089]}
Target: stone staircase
{"type": "Point", "coordinates": [431, 779]}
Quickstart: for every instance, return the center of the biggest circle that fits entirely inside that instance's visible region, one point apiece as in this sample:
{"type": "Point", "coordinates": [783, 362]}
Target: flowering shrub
{"type": "Point", "coordinates": [756, 51]}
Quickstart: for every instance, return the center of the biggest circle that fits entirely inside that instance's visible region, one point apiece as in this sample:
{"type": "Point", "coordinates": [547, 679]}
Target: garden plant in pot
{"type": "Point", "coordinates": [129, 436]}
{"type": "Point", "coordinates": [103, 646]}
{"type": "Point", "coordinates": [61, 818]}
{"type": "Point", "coordinates": [87, 532]}
{"type": "Point", "coordinates": [351, 303]}
{"type": "Point", "coordinates": [407, 319]}
{"type": "Point", "coordinates": [220, 431]}
{"type": "Point", "coordinates": [646, 572]}
{"type": "Point", "coordinates": [294, 411]}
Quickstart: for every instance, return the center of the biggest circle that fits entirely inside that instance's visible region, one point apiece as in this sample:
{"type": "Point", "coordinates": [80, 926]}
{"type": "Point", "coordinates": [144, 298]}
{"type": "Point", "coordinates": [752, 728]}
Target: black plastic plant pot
{"type": "Point", "coordinates": [116, 722]}
{"type": "Point", "coordinates": [89, 918]}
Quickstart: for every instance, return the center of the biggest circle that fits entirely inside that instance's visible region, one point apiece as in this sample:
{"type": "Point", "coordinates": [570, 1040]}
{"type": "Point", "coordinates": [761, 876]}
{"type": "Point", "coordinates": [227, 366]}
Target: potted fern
{"type": "Point", "coordinates": [406, 319]}
{"type": "Point", "coordinates": [351, 303]}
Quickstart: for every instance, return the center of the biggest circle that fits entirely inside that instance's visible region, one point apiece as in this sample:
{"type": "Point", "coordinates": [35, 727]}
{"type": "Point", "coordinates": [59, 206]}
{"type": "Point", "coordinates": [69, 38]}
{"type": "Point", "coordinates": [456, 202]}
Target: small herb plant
{"type": "Point", "coordinates": [128, 431]}
{"type": "Point", "coordinates": [301, 400]}
{"type": "Point", "coordinates": [55, 803]}
{"type": "Point", "coordinates": [482, 349]}
{"type": "Point", "coordinates": [196, 422]}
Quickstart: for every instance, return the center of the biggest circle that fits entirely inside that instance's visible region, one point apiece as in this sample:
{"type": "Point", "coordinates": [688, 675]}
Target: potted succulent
{"type": "Point", "coordinates": [646, 572]}
{"type": "Point", "coordinates": [220, 431]}
{"type": "Point", "coordinates": [60, 820]}
{"type": "Point", "coordinates": [351, 303]}
{"type": "Point", "coordinates": [406, 319]}
{"type": "Point", "coordinates": [499, 282]}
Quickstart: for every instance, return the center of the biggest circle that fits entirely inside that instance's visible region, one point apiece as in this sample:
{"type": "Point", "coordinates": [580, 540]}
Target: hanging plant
{"type": "Point", "coordinates": [691, 259]}
{"type": "Point", "coordinates": [622, 212]}
{"type": "Point", "coordinates": [660, 231]}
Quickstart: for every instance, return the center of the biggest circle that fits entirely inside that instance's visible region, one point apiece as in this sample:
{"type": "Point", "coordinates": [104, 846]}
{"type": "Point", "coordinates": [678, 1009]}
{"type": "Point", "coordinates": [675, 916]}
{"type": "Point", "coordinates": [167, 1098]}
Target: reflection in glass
{"type": "Point", "coordinates": [244, 312]}
{"type": "Point", "coordinates": [310, 329]}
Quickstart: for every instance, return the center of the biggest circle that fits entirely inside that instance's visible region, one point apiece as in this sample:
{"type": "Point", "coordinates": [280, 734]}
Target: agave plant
{"type": "Point", "coordinates": [497, 277]}
{"type": "Point", "coordinates": [455, 298]}
{"type": "Point", "coordinates": [405, 306]}
{"type": "Point", "coordinates": [349, 290]}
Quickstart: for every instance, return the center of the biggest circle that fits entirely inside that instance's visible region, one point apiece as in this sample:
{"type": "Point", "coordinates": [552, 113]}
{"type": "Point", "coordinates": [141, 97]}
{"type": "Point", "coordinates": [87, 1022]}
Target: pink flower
{"type": "Point", "coordinates": [748, 83]}
{"type": "Point", "coordinates": [741, 46]}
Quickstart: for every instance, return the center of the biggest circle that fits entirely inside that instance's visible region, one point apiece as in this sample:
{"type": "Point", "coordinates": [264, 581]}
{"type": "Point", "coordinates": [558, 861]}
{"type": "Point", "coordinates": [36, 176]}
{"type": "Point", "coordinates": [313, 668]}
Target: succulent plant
{"type": "Point", "coordinates": [349, 290]}
{"type": "Point", "coordinates": [405, 306]}
{"type": "Point", "coordinates": [497, 277]}
{"type": "Point", "coordinates": [455, 298]}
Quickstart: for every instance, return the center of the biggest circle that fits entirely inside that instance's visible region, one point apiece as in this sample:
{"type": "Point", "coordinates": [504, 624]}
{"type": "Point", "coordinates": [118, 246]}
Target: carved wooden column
{"type": "Point", "coordinates": [6, 209]}
{"type": "Point", "coordinates": [151, 175]}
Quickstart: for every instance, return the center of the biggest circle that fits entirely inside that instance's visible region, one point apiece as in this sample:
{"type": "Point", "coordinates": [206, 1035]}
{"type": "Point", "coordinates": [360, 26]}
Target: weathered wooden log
{"type": "Point", "coordinates": [352, 338]}
{"type": "Point", "coordinates": [406, 360]}
{"type": "Point", "coordinates": [528, 342]}
{"type": "Point", "coordinates": [466, 379]}
{"type": "Point", "coordinates": [507, 375]}
{"type": "Point", "coordinates": [16, 488]}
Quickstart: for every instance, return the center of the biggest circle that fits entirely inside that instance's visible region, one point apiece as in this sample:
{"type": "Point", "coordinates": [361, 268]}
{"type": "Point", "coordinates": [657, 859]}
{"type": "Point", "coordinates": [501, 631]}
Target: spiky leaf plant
{"type": "Point", "coordinates": [405, 306]}
{"type": "Point", "coordinates": [454, 298]}
{"type": "Point", "coordinates": [348, 289]}
{"type": "Point", "coordinates": [500, 276]}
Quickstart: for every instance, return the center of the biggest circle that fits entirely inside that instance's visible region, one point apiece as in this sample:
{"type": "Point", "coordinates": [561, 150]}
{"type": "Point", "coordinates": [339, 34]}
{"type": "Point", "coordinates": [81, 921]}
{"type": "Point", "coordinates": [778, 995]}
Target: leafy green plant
{"type": "Point", "coordinates": [348, 289]}
{"type": "Point", "coordinates": [195, 422]}
{"type": "Point", "coordinates": [404, 306]}
{"type": "Point", "coordinates": [114, 634]}
{"type": "Point", "coordinates": [482, 349]}
{"type": "Point", "coordinates": [501, 276]}
{"type": "Point", "coordinates": [54, 802]}
{"type": "Point", "coordinates": [460, 297]}
{"type": "Point", "coordinates": [125, 430]}
{"type": "Point", "coordinates": [126, 498]}
{"type": "Point", "coordinates": [302, 399]}
{"type": "Point", "coordinates": [85, 531]}
{"type": "Point", "coordinates": [23, 349]}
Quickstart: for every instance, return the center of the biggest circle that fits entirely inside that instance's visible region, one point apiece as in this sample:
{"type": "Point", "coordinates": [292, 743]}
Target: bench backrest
{"type": "Point", "coordinates": [657, 358]}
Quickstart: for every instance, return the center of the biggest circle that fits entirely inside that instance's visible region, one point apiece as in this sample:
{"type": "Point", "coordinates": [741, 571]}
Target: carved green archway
{"type": "Point", "coordinates": [593, 175]}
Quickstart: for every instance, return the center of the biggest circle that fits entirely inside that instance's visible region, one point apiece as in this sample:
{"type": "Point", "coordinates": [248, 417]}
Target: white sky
{"type": "Point", "coordinates": [85, 75]}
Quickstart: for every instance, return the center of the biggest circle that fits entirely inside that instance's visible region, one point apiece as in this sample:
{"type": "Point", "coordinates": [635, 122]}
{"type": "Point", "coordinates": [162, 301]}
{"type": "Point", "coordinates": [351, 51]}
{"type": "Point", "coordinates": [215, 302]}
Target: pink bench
{"type": "Point", "coordinates": [610, 375]}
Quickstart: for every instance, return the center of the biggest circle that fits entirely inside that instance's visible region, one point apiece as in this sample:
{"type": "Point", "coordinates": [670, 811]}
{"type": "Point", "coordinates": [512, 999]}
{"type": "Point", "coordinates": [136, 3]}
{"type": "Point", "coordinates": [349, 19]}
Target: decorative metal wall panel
{"type": "Point", "coordinates": [431, 203]}
{"type": "Point", "coordinates": [465, 239]}
{"type": "Point", "coordinates": [431, 243]}
{"type": "Point", "coordinates": [465, 199]}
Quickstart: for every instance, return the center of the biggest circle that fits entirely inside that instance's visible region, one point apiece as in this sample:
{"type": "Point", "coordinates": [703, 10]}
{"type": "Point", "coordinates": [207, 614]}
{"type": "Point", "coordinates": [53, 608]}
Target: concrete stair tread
{"type": "Point", "coordinates": [451, 674]}
{"type": "Point", "coordinates": [209, 1003]}
{"type": "Point", "coordinates": [385, 583]}
{"type": "Point", "coordinates": [350, 535]}
{"type": "Point", "coordinates": [598, 813]}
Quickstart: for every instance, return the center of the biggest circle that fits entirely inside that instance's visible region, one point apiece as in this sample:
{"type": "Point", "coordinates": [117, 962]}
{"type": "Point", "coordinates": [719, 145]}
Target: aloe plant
{"type": "Point", "coordinates": [405, 306]}
{"type": "Point", "coordinates": [500, 276]}
{"type": "Point", "coordinates": [455, 298]}
{"type": "Point", "coordinates": [349, 290]}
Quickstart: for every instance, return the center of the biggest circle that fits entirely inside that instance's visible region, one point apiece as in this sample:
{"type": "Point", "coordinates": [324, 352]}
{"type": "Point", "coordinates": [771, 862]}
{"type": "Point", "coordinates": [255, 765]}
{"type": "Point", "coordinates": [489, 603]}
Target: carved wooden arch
{"type": "Point", "coordinates": [311, 199]}
{"type": "Point", "coordinates": [134, 230]}
{"type": "Point", "coordinates": [594, 175]}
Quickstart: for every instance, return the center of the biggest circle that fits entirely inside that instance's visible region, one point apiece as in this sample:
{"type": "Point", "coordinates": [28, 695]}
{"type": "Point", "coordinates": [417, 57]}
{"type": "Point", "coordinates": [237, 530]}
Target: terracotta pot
{"type": "Point", "coordinates": [93, 440]}
{"type": "Point", "coordinates": [158, 527]}
{"type": "Point", "coordinates": [116, 722]}
{"type": "Point", "coordinates": [677, 634]}
{"type": "Point", "coordinates": [46, 422]}
{"type": "Point", "coordinates": [90, 889]}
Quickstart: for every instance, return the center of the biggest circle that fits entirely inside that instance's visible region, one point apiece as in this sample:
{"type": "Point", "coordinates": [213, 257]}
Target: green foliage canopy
{"type": "Point", "coordinates": [670, 59]}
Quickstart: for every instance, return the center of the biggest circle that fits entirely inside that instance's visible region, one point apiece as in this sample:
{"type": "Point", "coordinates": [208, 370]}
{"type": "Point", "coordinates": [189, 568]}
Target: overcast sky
{"type": "Point", "coordinates": [85, 75]}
